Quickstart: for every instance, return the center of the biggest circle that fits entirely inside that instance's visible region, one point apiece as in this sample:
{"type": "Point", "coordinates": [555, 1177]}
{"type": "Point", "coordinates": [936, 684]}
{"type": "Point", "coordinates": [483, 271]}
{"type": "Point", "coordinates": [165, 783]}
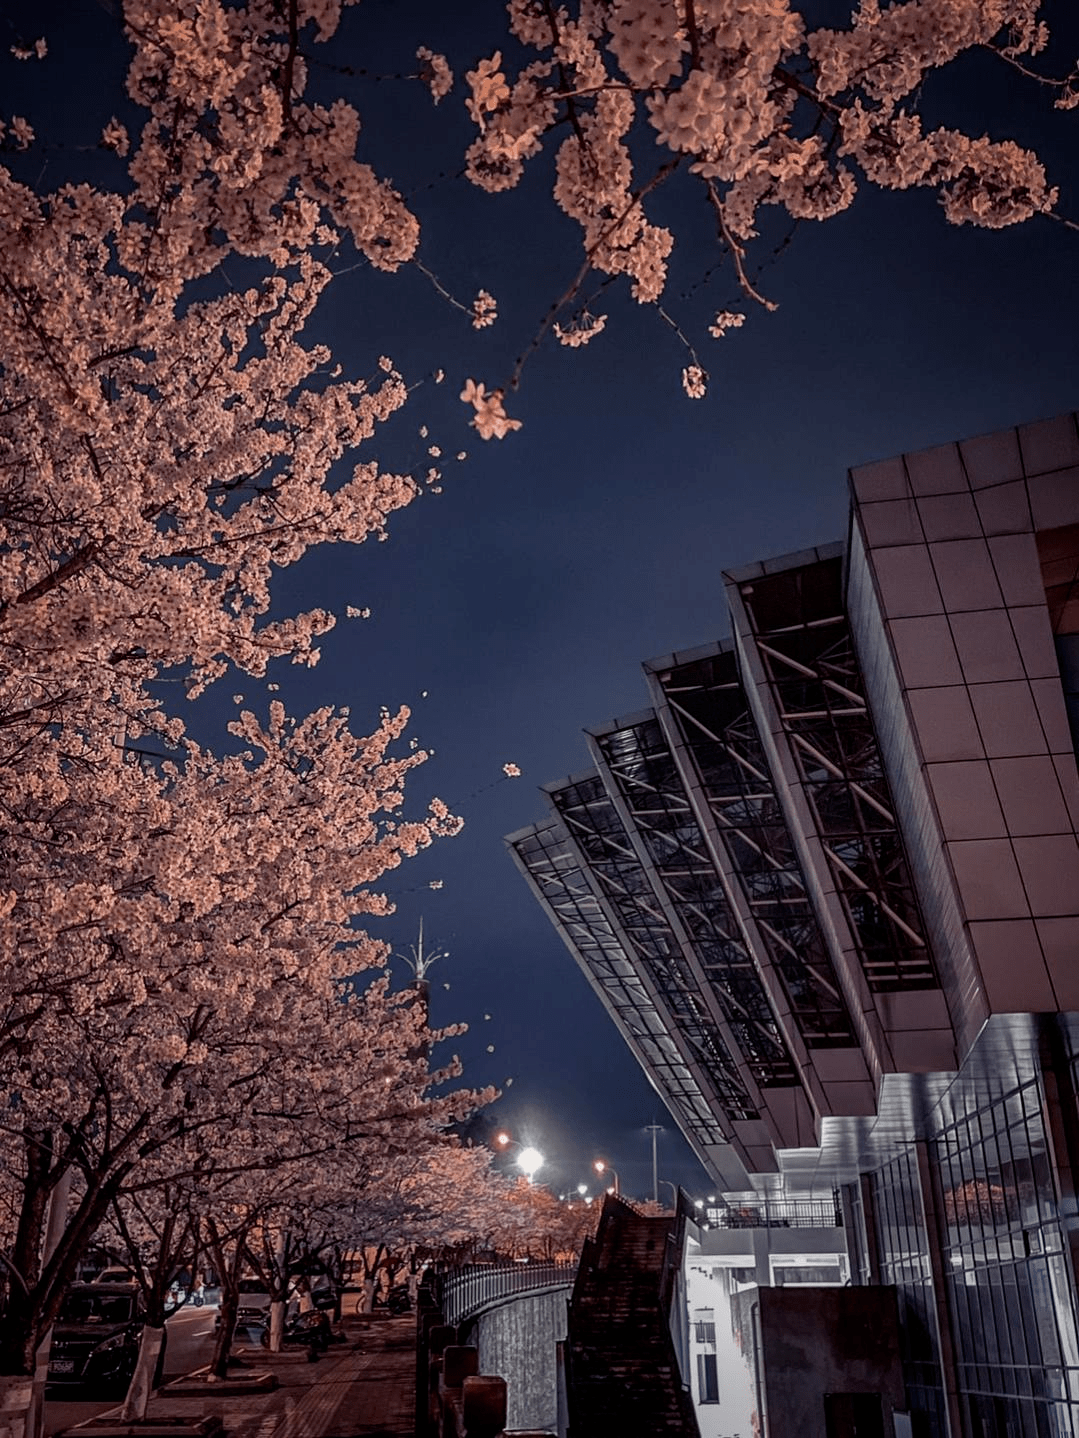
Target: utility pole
{"type": "Point", "coordinates": [653, 1129]}
{"type": "Point", "coordinates": [419, 961]}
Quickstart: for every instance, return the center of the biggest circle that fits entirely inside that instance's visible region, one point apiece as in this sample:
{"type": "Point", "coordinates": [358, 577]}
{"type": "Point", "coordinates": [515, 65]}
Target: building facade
{"type": "Point", "coordinates": [827, 887]}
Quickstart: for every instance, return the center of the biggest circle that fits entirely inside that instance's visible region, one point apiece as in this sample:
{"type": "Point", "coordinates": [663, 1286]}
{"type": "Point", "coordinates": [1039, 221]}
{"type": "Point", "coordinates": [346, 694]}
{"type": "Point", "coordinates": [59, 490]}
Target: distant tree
{"type": "Point", "coordinates": [415, 1205]}
{"type": "Point", "coordinates": [532, 1222]}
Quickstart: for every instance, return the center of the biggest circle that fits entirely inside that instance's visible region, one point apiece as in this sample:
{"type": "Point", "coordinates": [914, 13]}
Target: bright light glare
{"type": "Point", "coordinates": [503, 1139]}
{"type": "Point", "coordinates": [599, 1165]}
{"type": "Point", "coordinates": [529, 1160]}
{"type": "Point", "coordinates": [582, 1189]}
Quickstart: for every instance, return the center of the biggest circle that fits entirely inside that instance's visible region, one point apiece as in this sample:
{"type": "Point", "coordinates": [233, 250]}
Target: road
{"type": "Point", "coordinates": [190, 1346]}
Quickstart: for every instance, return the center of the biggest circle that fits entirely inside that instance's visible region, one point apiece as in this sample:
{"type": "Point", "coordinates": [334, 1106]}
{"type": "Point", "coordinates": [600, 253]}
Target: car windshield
{"type": "Point", "coordinates": [86, 1307]}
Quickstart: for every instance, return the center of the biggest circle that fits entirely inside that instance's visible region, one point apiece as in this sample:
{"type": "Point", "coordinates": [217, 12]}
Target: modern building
{"type": "Point", "coordinates": [827, 887]}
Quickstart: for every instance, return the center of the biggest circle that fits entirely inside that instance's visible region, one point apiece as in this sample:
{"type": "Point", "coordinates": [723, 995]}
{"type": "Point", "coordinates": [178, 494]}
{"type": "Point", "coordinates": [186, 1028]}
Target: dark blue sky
{"type": "Point", "coordinates": [524, 597]}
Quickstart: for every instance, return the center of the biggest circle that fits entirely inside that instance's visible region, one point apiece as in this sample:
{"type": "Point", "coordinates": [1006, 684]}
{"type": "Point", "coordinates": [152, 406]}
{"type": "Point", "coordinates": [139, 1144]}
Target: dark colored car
{"type": "Point", "coordinates": [310, 1330]}
{"type": "Point", "coordinates": [254, 1304]}
{"type": "Point", "coordinates": [95, 1340]}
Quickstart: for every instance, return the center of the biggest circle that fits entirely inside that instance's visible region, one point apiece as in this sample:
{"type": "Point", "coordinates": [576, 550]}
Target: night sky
{"type": "Point", "coordinates": [522, 599]}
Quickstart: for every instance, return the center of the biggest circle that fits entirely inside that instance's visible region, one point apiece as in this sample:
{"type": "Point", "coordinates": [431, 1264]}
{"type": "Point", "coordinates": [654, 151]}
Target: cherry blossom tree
{"type": "Point", "coordinates": [411, 1206]}
{"type": "Point", "coordinates": [170, 921]}
{"type": "Point", "coordinates": [157, 1230]}
{"type": "Point", "coordinates": [532, 1222]}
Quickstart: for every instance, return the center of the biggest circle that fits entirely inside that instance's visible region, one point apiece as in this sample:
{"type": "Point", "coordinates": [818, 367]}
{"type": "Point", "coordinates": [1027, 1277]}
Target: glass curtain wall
{"type": "Point", "coordinates": [1009, 1289]}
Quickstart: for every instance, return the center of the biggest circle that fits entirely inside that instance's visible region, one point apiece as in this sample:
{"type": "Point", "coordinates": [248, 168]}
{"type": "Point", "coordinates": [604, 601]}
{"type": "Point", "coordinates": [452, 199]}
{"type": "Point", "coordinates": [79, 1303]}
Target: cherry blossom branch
{"type": "Point", "coordinates": [694, 35]}
{"type": "Point", "coordinates": [678, 331]}
{"type": "Point", "coordinates": [457, 305]}
{"type": "Point", "coordinates": [571, 109]}
{"type": "Point", "coordinates": [46, 348]}
{"type": "Point", "coordinates": [637, 196]}
{"type": "Point", "coordinates": [736, 250]}
{"type": "Point", "coordinates": [68, 570]}
{"type": "Point", "coordinates": [1050, 81]}
{"type": "Point", "coordinates": [290, 59]}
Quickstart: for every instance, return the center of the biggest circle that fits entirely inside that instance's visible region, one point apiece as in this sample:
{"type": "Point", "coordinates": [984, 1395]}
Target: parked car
{"type": "Point", "coordinates": [95, 1340]}
{"type": "Point", "coordinates": [254, 1304]}
{"type": "Point", "coordinates": [117, 1273]}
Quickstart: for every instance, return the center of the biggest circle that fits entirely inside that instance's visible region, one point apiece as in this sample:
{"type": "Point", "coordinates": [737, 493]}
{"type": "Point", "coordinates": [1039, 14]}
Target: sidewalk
{"type": "Point", "coordinates": [365, 1391]}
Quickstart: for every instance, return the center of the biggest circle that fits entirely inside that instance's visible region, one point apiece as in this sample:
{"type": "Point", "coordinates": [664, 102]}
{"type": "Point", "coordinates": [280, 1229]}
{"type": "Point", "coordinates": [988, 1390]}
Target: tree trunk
{"type": "Point", "coordinates": [17, 1336]}
{"type": "Point", "coordinates": [230, 1306]}
{"type": "Point", "coordinates": [17, 1326]}
{"type": "Point", "coordinates": [277, 1325]}
{"type": "Point", "coordinates": [16, 1396]}
{"type": "Point", "coordinates": [142, 1381]}
{"type": "Point", "coordinates": [368, 1295]}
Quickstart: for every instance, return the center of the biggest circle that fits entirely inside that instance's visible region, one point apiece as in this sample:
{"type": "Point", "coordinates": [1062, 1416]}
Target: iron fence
{"type": "Point", "coordinates": [779, 1213]}
{"type": "Point", "coordinates": [468, 1291]}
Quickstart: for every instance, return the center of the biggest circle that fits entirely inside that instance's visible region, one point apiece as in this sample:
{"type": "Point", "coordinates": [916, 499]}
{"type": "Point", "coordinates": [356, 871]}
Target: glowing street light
{"type": "Point", "coordinates": [582, 1189]}
{"type": "Point", "coordinates": [530, 1161]}
{"type": "Point", "coordinates": [601, 1167]}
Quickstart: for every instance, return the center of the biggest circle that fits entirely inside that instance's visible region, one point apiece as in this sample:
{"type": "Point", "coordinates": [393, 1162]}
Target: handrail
{"type": "Point", "coordinates": [778, 1213]}
{"type": "Point", "coordinates": [468, 1291]}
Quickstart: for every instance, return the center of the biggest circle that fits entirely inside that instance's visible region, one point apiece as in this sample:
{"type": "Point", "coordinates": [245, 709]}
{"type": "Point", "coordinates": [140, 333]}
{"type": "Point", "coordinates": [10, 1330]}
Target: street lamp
{"type": "Point", "coordinates": [529, 1160]}
{"type": "Point", "coordinates": [674, 1191]}
{"type": "Point", "coordinates": [601, 1167]}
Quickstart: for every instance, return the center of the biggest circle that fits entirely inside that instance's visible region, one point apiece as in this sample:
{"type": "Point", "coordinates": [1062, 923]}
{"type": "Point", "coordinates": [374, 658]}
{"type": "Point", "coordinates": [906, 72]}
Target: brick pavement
{"type": "Point", "coordinates": [365, 1391]}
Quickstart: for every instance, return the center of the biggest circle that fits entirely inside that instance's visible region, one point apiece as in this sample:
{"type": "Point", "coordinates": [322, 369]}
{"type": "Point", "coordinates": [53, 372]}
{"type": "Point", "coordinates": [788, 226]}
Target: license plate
{"type": "Point", "coordinates": [62, 1365]}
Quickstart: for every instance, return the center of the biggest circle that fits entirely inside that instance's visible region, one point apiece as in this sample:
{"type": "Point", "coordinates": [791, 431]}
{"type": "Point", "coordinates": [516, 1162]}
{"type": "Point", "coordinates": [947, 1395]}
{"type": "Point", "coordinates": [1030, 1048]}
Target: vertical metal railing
{"type": "Point", "coordinates": [467, 1291]}
{"type": "Point", "coordinates": [779, 1213]}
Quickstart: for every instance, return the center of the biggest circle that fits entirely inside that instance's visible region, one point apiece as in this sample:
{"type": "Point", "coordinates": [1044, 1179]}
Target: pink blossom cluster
{"type": "Point", "coordinates": [489, 420]}
{"type": "Point", "coordinates": [761, 108]}
{"type": "Point", "coordinates": [435, 73]}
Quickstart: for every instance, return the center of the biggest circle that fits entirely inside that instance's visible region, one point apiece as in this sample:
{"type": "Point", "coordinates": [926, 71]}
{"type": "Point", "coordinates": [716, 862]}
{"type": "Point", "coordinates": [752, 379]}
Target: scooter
{"type": "Point", "coordinates": [397, 1300]}
{"type": "Point", "coordinates": [310, 1329]}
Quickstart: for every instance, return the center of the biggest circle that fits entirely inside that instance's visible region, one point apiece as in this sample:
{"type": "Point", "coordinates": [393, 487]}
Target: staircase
{"type": "Point", "coordinates": [622, 1375]}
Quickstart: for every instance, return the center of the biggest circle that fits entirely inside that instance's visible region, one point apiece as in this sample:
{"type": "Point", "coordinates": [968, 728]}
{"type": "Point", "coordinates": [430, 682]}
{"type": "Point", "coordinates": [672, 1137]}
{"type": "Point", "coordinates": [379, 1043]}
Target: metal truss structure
{"type": "Point", "coordinates": [702, 873]}
{"type": "Point", "coordinates": [547, 858]}
{"type": "Point", "coordinates": [802, 635]}
{"type": "Point", "coordinates": [643, 774]}
{"type": "Point", "coordinates": [741, 814]}
{"type": "Point", "coordinates": [594, 824]}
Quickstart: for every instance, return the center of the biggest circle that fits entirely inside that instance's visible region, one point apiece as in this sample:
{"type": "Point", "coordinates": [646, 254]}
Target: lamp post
{"type": "Point", "coordinates": [654, 1129]}
{"type": "Point", "coordinates": [674, 1191]}
{"type": "Point", "coordinates": [602, 1167]}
